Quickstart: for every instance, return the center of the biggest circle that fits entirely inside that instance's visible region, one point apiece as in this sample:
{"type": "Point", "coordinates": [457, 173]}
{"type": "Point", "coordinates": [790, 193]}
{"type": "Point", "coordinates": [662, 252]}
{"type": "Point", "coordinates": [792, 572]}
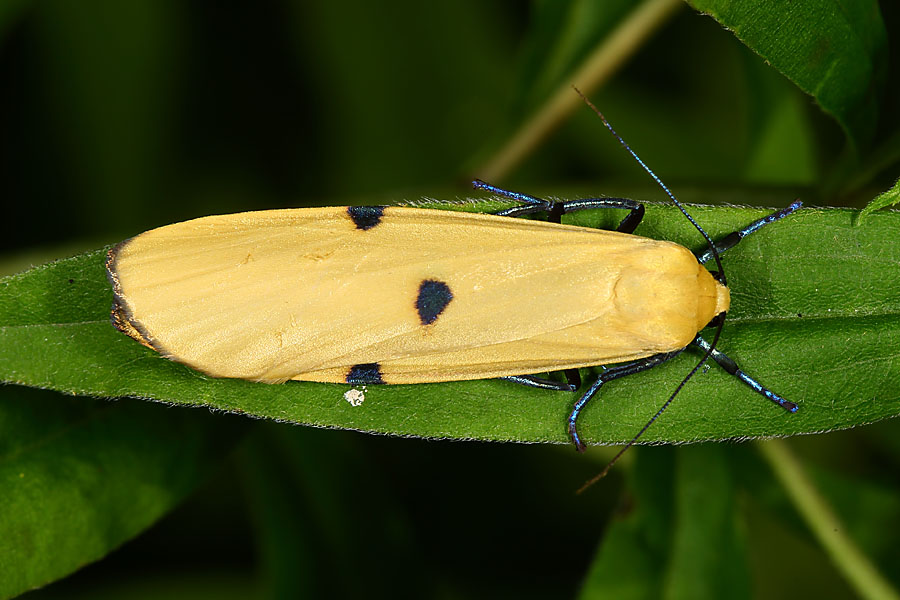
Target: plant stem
{"type": "Point", "coordinates": [597, 68]}
{"type": "Point", "coordinates": [856, 568]}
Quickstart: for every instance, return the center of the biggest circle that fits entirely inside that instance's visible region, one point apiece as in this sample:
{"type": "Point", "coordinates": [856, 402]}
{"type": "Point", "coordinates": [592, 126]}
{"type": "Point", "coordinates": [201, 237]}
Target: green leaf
{"type": "Point", "coordinates": [834, 51]}
{"type": "Point", "coordinates": [814, 317]}
{"type": "Point", "coordinates": [78, 478]}
{"type": "Point", "coordinates": [303, 493]}
{"type": "Point", "coordinates": [882, 200]}
{"type": "Point", "coordinates": [680, 535]}
{"type": "Point", "coordinates": [708, 552]}
{"type": "Point", "coordinates": [561, 35]}
{"type": "Point", "coordinates": [630, 563]}
{"type": "Point", "coordinates": [864, 506]}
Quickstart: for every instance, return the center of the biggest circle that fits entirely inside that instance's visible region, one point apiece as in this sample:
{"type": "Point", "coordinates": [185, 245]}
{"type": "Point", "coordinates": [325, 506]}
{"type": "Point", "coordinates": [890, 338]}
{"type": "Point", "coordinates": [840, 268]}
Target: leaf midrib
{"type": "Point", "coordinates": [750, 319]}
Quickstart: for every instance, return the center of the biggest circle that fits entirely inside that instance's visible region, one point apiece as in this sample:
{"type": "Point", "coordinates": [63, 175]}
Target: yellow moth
{"type": "Point", "coordinates": [368, 295]}
{"type": "Point", "coordinates": [426, 295]}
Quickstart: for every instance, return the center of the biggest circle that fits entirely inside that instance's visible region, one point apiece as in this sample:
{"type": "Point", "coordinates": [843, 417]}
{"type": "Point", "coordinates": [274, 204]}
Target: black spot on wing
{"type": "Point", "coordinates": [365, 217]}
{"type": "Point", "coordinates": [433, 298]}
{"type": "Point", "coordinates": [364, 374]}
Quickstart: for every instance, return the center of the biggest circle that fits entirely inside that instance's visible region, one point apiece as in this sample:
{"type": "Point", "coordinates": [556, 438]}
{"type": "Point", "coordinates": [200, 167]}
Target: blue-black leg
{"type": "Point", "coordinates": [530, 204]}
{"type": "Point", "coordinates": [731, 367]}
{"type": "Point", "coordinates": [555, 210]}
{"type": "Point", "coordinates": [631, 220]}
{"type": "Point", "coordinates": [627, 225]}
{"type": "Point", "coordinates": [573, 378]}
{"type": "Point", "coordinates": [546, 384]}
{"type": "Point", "coordinates": [608, 375]}
{"type": "Point", "coordinates": [731, 240]}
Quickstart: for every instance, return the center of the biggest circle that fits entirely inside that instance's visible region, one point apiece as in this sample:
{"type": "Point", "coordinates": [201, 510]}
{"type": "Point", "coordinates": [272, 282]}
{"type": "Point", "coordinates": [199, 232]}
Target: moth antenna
{"type": "Point", "coordinates": [721, 278]}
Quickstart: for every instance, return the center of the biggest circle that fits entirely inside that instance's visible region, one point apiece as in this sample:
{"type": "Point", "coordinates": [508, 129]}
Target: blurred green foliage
{"type": "Point", "coordinates": [116, 117]}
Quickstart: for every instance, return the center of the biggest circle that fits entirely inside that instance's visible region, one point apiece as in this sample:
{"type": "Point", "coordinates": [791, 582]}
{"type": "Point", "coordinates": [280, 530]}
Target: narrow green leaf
{"type": "Point", "coordinates": [680, 534]}
{"type": "Point", "coordinates": [561, 34]}
{"type": "Point", "coordinates": [78, 478]}
{"type": "Point", "coordinates": [864, 506]}
{"type": "Point", "coordinates": [286, 537]}
{"type": "Point", "coordinates": [627, 31]}
{"type": "Point", "coordinates": [849, 559]}
{"type": "Point", "coordinates": [631, 561]}
{"type": "Point", "coordinates": [814, 316]}
{"type": "Point", "coordinates": [834, 51]}
{"type": "Point", "coordinates": [304, 498]}
{"type": "Point", "coordinates": [708, 555]}
{"type": "Point", "coordinates": [882, 200]}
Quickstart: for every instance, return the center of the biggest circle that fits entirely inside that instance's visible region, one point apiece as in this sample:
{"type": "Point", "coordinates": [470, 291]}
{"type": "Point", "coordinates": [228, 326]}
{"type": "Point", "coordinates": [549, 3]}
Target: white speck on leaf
{"type": "Point", "coordinates": [355, 397]}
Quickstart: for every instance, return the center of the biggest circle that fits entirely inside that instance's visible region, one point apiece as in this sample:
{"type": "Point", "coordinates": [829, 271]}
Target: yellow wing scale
{"type": "Point", "coordinates": [308, 294]}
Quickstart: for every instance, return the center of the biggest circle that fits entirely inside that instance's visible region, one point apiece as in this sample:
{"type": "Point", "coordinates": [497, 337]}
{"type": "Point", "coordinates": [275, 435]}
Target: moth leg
{"type": "Point", "coordinates": [731, 240]}
{"type": "Point", "coordinates": [555, 210]}
{"type": "Point", "coordinates": [626, 225]}
{"type": "Point", "coordinates": [731, 367]}
{"type": "Point", "coordinates": [572, 383]}
{"type": "Point", "coordinates": [530, 204]}
{"type": "Point", "coordinates": [608, 375]}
